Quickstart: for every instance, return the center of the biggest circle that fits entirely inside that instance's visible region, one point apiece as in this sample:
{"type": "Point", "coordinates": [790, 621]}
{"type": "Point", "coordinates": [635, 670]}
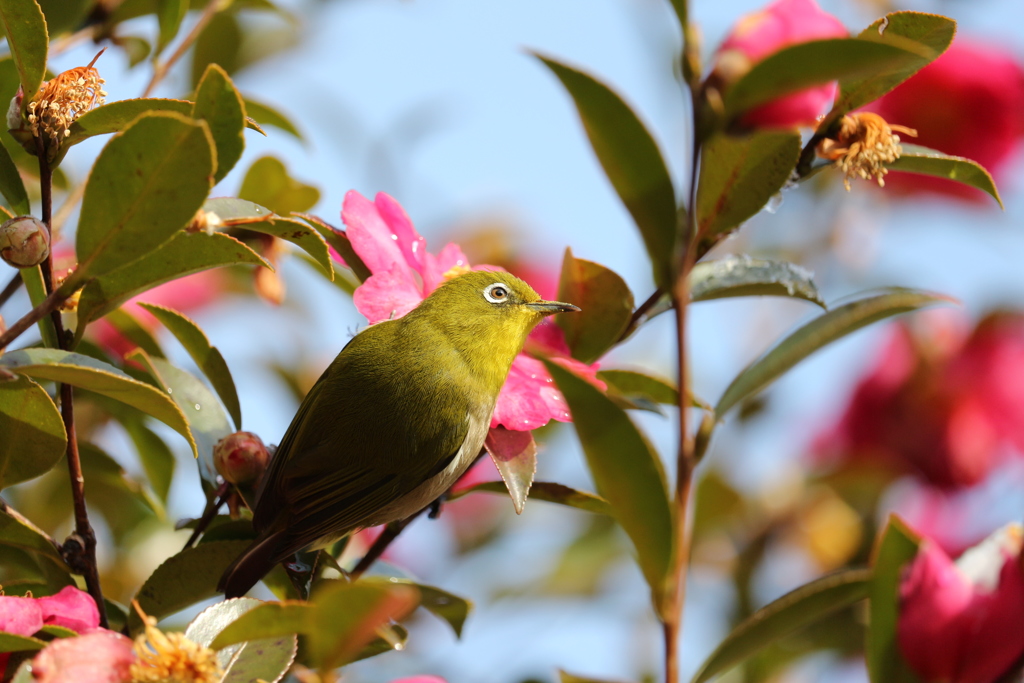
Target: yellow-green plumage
{"type": "Point", "coordinates": [393, 422]}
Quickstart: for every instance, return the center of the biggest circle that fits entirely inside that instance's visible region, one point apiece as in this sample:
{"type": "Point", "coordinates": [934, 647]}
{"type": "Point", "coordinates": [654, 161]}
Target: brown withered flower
{"type": "Point", "coordinates": [864, 145]}
{"type": "Point", "coordinates": [63, 99]}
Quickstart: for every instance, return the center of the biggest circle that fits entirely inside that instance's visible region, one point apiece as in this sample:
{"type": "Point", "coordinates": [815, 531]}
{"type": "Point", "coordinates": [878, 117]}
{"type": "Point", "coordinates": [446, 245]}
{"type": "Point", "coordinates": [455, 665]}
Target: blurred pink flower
{"type": "Point", "coordinates": [98, 657]}
{"type": "Point", "coordinates": [760, 34]}
{"type": "Point", "coordinates": [968, 103]}
{"type": "Point", "coordinates": [960, 622]}
{"type": "Point", "coordinates": [404, 273]}
{"type": "Point", "coordinates": [70, 608]}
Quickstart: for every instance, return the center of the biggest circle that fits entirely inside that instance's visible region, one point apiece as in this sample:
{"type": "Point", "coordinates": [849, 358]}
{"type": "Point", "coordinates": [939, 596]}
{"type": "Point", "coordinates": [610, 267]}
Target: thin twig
{"type": "Point", "coordinates": [160, 70]}
{"type": "Point", "coordinates": [639, 313]}
{"type": "Point", "coordinates": [390, 533]}
{"type": "Point", "coordinates": [13, 286]}
{"type": "Point", "coordinates": [49, 304]}
{"type": "Point", "coordinates": [215, 503]}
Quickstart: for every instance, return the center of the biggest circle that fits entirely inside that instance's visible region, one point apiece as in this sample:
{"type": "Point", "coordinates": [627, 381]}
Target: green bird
{"type": "Point", "coordinates": [393, 422]}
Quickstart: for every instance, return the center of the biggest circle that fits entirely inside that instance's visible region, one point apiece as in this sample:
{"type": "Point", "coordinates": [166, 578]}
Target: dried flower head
{"type": "Point", "coordinates": [864, 145]}
{"type": "Point", "coordinates": [63, 99]}
{"type": "Point", "coordinates": [171, 657]}
{"type": "Point", "coordinates": [71, 303]}
{"type": "Point", "coordinates": [205, 221]}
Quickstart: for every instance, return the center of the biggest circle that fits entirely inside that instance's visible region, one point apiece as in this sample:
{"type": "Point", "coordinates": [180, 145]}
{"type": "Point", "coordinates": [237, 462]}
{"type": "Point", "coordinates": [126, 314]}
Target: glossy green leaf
{"type": "Point", "coordinates": [134, 331]}
{"type": "Point", "coordinates": [269, 620]}
{"type": "Point", "coordinates": [627, 473]}
{"type": "Point", "coordinates": [338, 240]}
{"type": "Point", "coordinates": [793, 611]}
{"type": "Point", "coordinates": [205, 355]}
{"type": "Point", "coordinates": [156, 457]}
{"type": "Point", "coordinates": [932, 31]}
{"type": "Point", "coordinates": [817, 334]}
{"type": "Point", "coordinates": [925, 161]}
{"type": "Point", "coordinates": [514, 454]}
{"type": "Point", "coordinates": [631, 160]}
{"type": "Point", "coordinates": [33, 432]}
{"type": "Point", "coordinates": [146, 185]}
{"type": "Point", "coordinates": [184, 254]}
{"type": "Point", "coordinates": [12, 642]}
{"type": "Point", "coordinates": [739, 174]}
{"type": "Point", "coordinates": [268, 184]}
{"type": "Point", "coordinates": [251, 216]}
{"type": "Point", "coordinates": [265, 115]}
{"type": "Point", "coordinates": [58, 631]}
{"type": "Point", "coordinates": [637, 386]}
{"type": "Point", "coordinates": [219, 104]}
{"type": "Point", "coordinates": [897, 547]}
{"type": "Point", "coordinates": [170, 14]}
{"type": "Point", "coordinates": [88, 373]}
{"type": "Point", "coordinates": [219, 43]}
{"type": "Point", "coordinates": [606, 303]}
{"type": "Point", "coordinates": [18, 532]}
{"type": "Point", "coordinates": [546, 491]}
{"type": "Point", "coordinates": [184, 579]}
{"type": "Point", "coordinates": [25, 27]}
{"type": "Point", "coordinates": [818, 62]}
{"type": "Point", "coordinates": [115, 116]}
{"type": "Point", "coordinates": [267, 660]}
{"type": "Point", "coordinates": [11, 185]}
{"type": "Point", "coordinates": [744, 276]}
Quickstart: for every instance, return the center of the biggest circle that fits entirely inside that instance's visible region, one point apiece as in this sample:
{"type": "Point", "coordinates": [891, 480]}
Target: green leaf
{"type": "Point", "coordinates": [743, 276]}
{"type": "Point", "coordinates": [205, 355]}
{"type": "Point", "coordinates": [606, 303]}
{"type": "Point", "coordinates": [739, 174]}
{"type": "Point", "coordinates": [219, 43]}
{"type": "Point", "coordinates": [123, 501]}
{"type": "Point", "coordinates": [170, 14]}
{"type": "Point", "coordinates": [146, 185]}
{"type": "Point", "coordinates": [11, 185]}
{"type": "Point", "coordinates": [924, 161]}
{"type": "Point", "coordinates": [12, 642]}
{"type": "Point", "coordinates": [115, 116]}
{"type": "Point", "coordinates": [156, 457]}
{"type": "Point", "coordinates": [546, 491]}
{"type": "Point", "coordinates": [219, 104]}
{"type": "Point", "coordinates": [566, 677]}
{"type": "Point", "coordinates": [932, 31]}
{"type": "Point", "coordinates": [627, 473]}
{"type": "Point", "coordinates": [266, 660]}
{"type": "Point", "coordinates": [25, 27]}
{"type": "Point", "coordinates": [338, 240]}
{"type": "Point", "coordinates": [88, 373]}
{"type": "Point", "coordinates": [818, 62]}
{"type": "Point", "coordinates": [184, 579]}
{"type": "Point", "coordinates": [631, 160]}
{"type": "Point", "coordinates": [58, 631]}
{"type": "Point", "coordinates": [639, 388]}
{"type": "Point", "coordinates": [897, 547]}
{"type": "Point", "coordinates": [251, 216]}
{"type": "Point", "coordinates": [268, 184]}
{"type": "Point", "coordinates": [788, 614]}
{"type": "Point", "coordinates": [18, 532]}
{"type": "Point", "coordinates": [33, 432]}
{"type": "Point", "coordinates": [132, 330]}
{"type": "Point", "coordinates": [817, 334]}
{"type": "Point", "coordinates": [266, 115]}
{"type": "Point", "coordinates": [135, 49]}
{"type": "Point", "coordinates": [269, 620]}
{"type": "Point", "coordinates": [184, 254]}
{"type": "Point", "coordinates": [36, 288]}
{"type": "Point", "coordinates": [64, 16]}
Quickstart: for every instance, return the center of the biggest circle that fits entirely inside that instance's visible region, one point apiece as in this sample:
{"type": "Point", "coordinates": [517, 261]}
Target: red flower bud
{"type": "Point", "coordinates": [760, 34]}
{"type": "Point", "coordinates": [241, 458]}
{"type": "Point", "coordinates": [24, 242]}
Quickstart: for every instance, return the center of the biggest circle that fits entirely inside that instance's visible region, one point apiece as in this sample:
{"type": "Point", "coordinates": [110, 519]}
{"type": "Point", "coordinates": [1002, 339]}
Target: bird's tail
{"type": "Point", "coordinates": [253, 564]}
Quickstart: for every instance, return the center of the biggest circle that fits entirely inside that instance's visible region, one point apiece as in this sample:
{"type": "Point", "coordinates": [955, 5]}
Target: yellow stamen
{"type": "Point", "coordinates": [171, 657]}
{"type": "Point", "coordinates": [864, 145]}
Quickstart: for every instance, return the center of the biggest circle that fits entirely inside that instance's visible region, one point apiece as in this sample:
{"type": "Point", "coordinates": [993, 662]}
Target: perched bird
{"type": "Point", "coordinates": [393, 422]}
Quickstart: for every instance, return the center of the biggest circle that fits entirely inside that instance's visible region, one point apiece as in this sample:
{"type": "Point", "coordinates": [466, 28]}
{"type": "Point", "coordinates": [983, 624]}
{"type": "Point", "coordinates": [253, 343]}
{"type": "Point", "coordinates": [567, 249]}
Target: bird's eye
{"type": "Point", "coordinates": [496, 293]}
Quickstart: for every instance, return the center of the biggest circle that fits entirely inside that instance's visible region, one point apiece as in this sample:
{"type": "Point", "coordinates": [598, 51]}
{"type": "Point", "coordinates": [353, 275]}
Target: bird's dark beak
{"type": "Point", "coordinates": [551, 307]}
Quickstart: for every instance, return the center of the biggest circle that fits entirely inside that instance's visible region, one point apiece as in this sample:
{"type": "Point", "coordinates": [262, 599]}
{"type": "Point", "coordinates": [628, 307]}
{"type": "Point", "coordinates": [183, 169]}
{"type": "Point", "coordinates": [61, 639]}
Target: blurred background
{"type": "Point", "coordinates": [440, 104]}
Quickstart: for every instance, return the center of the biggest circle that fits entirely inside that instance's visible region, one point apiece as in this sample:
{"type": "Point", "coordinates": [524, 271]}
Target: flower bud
{"type": "Point", "coordinates": [241, 458]}
{"type": "Point", "coordinates": [24, 242]}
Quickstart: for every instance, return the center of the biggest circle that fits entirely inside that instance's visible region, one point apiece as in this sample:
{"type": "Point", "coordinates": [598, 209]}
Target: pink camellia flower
{"type": "Point", "coordinates": [101, 656]}
{"type": "Point", "coordinates": [959, 622]}
{"type": "Point", "coordinates": [760, 34]}
{"type": "Point", "coordinates": [404, 273]}
{"type": "Point", "coordinates": [949, 413]}
{"type": "Point", "coordinates": [70, 608]}
{"type": "Point", "coordinates": [968, 103]}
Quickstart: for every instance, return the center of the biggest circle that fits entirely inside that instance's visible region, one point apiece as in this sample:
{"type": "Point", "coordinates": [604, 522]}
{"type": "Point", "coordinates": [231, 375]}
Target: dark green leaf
{"type": "Point", "coordinates": [184, 254]}
{"type": "Point", "coordinates": [627, 473]}
{"type": "Point", "coordinates": [184, 579]}
{"type": "Point", "coordinates": [156, 457]}
{"type": "Point", "coordinates": [744, 276]}
{"type": "Point", "coordinates": [788, 614]}
{"type": "Point", "coordinates": [25, 27]}
{"type": "Point", "coordinates": [639, 385]}
{"type": "Point", "coordinates": [220, 105]}
{"type": "Point", "coordinates": [897, 547]}
{"type": "Point", "coordinates": [18, 532]}
{"type": "Point", "coordinates": [205, 355]}
{"type": "Point", "coordinates": [12, 642]}
{"type": "Point", "coordinates": [170, 14]}
{"type": "Point", "coordinates": [917, 159]}
{"type": "Point", "coordinates": [132, 330]}
{"type": "Point", "coordinates": [631, 160]}
{"type": "Point", "coordinates": [219, 43]}
{"type": "Point", "coordinates": [268, 184]}
{"type": "Point", "coordinates": [115, 117]}
{"type": "Point", "coordinates": [817, 334]}
{"type": "Point", "coordinates": [546, 491]}
{"type": "Point", "coordinates": [338, 240]}
{"type": "Point", "coordinates": [33, 432]}
{"type": "Point", "coordinates": [514, 454]}
{"type": "Point", "coordinates": [88, 373]}
{"type": "Point", "coordinates": [739, 174]}
{"type": "Point", "coordinates": [818, 62]}
{"type": "Point", "coordinates": [606, 303]}
{"type": "Point", "coordinates": [266, 115]}
{"type": "Point", "coordinates": [146, 185]}
{"type": "Point", "coordinates": [932, 31]}
{"type": "Point", "coordinates": [65, 16]}
{"type": "Point", "coordinates": [11, 185]}
{"type": "Point", "coordinates": [267, 660]}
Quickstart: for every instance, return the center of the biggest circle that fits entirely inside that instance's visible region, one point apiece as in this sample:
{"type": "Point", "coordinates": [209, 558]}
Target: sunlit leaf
{"type": "Point", "coordinates": [18, 532]}
{"type": "Point", "coordinates": [546, 491]}
{"type": "Point", "coordinates": [11, 185]}
{"type": "Point", "coordinates": [25, 27]}
{"type": "Point", "coordinates": [115, 116]}
{"type": "Point", "coordinates": [170, 14]}
{"type": "Point", "coordinates": [266, 115]}
{"type": "Point", "coordinates": [220, 105]}
{"type": "Point", "coordinates": [744, 276]}
{"type": "Point", "coordinates": [267, 660]}
{"type": "Point", "coordinates": [924, 161]}
{"type": "Point", "coordinates": [12, 642]}
{"type": "Point", "coordinates": [33, 432]}
{"type": "Point", "coordinates": [606, 303]}
{"type": "Point", "coordinates": [640, 386]}
{"type": "Point", "coordinates": [268, 184]}
{"type": "Point", "coordinates": [897, 547]}
{"type": "Point", "coordinates": [338, 240]}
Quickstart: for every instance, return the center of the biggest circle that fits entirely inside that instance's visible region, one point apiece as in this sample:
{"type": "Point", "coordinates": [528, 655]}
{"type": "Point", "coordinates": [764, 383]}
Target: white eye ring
{"type": "Point", "coordinates": [496, 293]}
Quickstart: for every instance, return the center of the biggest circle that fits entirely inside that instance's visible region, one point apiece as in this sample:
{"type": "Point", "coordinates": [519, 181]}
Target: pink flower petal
{"type": "Point", "coordinates": [98, 657]}
{"type": "Point", "coordinates": [21, 616]}
{"type": "Point", "coordinates": [387, 294]}
{"type": "Point", "coordinates": [529, 398]}
{"type": "Point", "coordinates": [413, 246]}
{"type": "Point", "coordinates": [71, 608]}
{"type": "Point", "coordinates": [385, 239]}
{"type": "Point", "coordinates": [434, 267]}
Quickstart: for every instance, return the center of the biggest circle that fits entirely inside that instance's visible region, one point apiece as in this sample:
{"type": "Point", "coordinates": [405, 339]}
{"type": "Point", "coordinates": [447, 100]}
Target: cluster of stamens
{"type": "Point", "coordinates": [63, 99]}
{"type": "Point", "coordinates": [166, 657]}
{"type": "Point", "coordinates": [865, 144]}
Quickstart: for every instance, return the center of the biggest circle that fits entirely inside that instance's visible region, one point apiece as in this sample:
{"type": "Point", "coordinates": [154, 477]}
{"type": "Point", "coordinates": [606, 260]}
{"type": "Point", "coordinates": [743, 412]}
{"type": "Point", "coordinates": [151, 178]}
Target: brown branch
{"type": "Point", "coordinates": [639, 314]}
{"type": "Point", "coordinates": [160, 70]}
{"type": "Point", "coordinates": [13, 286]}
{"type": "Point", "coordinates": [49, 304]}
{"type": "Point", "coordinates": [215, 503]}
